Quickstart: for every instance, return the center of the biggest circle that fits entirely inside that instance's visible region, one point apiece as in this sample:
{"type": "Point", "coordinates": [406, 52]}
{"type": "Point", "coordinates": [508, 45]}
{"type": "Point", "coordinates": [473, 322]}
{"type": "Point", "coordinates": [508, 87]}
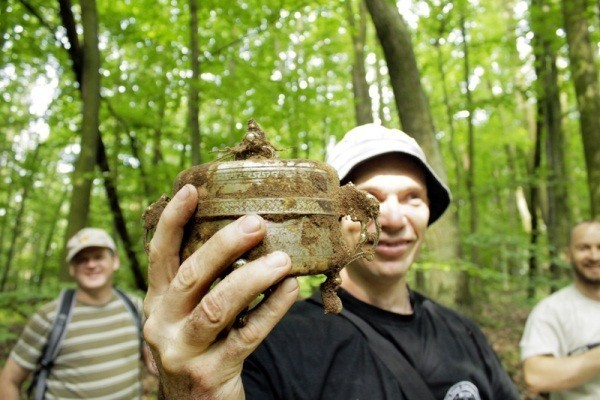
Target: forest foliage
{"type": "Point", "coordinates": [288, 65]}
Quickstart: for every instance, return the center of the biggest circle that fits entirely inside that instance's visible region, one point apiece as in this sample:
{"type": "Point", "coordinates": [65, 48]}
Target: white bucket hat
{"type": "Point", "coordinates": [367, 141]}
{"type": "Point", "coordinates": [89, 237]}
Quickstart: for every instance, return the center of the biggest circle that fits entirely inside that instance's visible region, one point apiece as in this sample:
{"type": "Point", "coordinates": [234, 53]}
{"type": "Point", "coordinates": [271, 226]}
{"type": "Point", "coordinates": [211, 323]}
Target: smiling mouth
{"type": "Point", "coordinates": [393, 248]}
{"type": "Point", "coordinates": [591, 265]}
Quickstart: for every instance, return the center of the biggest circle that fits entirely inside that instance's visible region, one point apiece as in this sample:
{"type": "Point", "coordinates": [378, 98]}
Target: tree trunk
{"type": "Point", "coordinates": [194, 123]}
{"type": "Point", "coordinates": [157, 156]}
{"type": "Point", "coordinates": [559, 212]}
{"type": "Point", "coordinates": [99, 150]}
{"type": "Point", "coordinates": [358, 31]}
{"type": "Point", "coordinates": [135, 151]}
{"type": "Point", "coordinates": [90, 95]}
{"type": "Point", "coordinates": [584, 72]}
{"type": "Point", "coordinates": [464, 295]}
{"type": "Point", "coordinates": [449, 112]}
{"type": "Point", "coordinates": [415, 117]}
{"type": "Point", "coordinates": [18, 223]}
{"type": "Point", "coordinates": [74, 49]}
{"type": "Point", "coordinates": [119, 218]}
{"type": "Point", "coordinates": [534, 206]}
{"type": "Point", "coordinates": [6, 218]}
{"type": "Point", "coordinates": [41, 274]}
{"type": "Point", "coordinates": [558, 218]}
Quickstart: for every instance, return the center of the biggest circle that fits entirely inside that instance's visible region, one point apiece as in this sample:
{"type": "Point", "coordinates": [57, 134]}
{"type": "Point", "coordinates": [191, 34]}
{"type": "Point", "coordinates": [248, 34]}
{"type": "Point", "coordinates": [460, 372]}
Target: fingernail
{"type": "Point", "coordinates": [278, 259]}
{"type": "Point", "coordinates": [185, 191]}
{"type": "Point", "coordinates": [250, 223]}
{"type": "Point", "coordinates": [290, 285]}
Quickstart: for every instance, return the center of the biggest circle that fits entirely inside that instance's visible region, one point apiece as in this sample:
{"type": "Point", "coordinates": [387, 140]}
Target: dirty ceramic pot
{"type": "Point", "coordinates": [300, 200]}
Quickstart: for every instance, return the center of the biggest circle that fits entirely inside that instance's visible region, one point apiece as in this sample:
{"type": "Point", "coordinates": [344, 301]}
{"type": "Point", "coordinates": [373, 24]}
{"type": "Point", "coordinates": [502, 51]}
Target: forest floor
{"type": "Point", "coordinates": [502, 317]}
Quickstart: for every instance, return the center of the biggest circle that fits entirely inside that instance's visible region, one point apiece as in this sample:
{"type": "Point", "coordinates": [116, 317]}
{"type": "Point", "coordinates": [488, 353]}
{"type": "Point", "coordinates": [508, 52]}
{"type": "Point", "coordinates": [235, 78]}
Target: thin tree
{"type": "Point", "coordinates": [18, 219]}
{"type": "Point", "coordinates": [584, 73]}
{"type": "Point", "coordinates": [463, 294]}
{"type": "Point", "coordinates": [358, 31]}
{"type": "Point", "coordinates": [89, 60]}
{"type": "Point", "coordinates": [45, 249]}
{"type": "Point", "coordinates": [413, 110]}
{"type": "Point", "coordinates": [558, 212]}
{"type": "Point", "coordinates": [194, 122]}
{"type": "Point", "coordinates": [534, 200]}
{"type": "Point", "coordinates": [80, 69]}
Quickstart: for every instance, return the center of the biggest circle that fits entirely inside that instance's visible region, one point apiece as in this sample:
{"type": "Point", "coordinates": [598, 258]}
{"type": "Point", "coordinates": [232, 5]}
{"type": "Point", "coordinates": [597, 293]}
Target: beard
{"type": "Point", "coordinates": [583, 278]}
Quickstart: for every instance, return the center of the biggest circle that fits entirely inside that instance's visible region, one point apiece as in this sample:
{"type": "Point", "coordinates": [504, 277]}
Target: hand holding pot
{"type": "Point", "coordinates": [188, 327]}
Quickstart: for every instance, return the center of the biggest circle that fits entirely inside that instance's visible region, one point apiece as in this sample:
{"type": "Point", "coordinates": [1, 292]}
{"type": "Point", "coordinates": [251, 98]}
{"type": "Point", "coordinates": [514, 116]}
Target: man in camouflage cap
{"type": "Point", "coordinates": [99, 355]}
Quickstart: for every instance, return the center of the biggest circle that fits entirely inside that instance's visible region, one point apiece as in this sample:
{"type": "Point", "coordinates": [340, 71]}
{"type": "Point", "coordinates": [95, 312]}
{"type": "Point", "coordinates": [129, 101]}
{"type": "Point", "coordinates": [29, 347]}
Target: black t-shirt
{"type": "Point", "coordinates": [311, 355]}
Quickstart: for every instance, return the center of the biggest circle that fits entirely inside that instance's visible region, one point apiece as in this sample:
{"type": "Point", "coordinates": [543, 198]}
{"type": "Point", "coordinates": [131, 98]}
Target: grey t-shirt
{"type": "Point", "coordinates": [564, 323]}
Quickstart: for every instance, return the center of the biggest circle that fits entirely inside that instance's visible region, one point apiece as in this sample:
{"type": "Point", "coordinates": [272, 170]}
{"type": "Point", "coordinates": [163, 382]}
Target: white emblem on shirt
{"type": "Point", "coordinates": [464, 390]}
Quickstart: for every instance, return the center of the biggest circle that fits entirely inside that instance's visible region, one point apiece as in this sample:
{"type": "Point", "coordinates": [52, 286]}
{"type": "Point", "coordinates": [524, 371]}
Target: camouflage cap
{"type": "Point", "coordinates": [89, 237]}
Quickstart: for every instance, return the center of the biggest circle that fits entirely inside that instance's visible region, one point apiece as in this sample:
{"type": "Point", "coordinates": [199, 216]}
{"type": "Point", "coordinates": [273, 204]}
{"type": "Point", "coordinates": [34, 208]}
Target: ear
{"type": "Point", "coordinates": [116, 262]}
{"type": "Point", "coordinates": [71, 270]}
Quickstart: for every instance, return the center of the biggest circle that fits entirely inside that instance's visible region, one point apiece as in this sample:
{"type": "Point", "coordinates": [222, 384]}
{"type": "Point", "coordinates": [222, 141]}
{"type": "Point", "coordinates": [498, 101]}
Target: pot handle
{"type": "Point", "coordinates": [360, 207]}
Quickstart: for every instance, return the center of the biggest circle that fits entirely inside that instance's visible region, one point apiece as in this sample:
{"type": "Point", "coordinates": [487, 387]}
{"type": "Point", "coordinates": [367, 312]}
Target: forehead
{"type": "Point", "coordinates": [391, 164]}
{"type": "Point", "coordinates": [587, 232]}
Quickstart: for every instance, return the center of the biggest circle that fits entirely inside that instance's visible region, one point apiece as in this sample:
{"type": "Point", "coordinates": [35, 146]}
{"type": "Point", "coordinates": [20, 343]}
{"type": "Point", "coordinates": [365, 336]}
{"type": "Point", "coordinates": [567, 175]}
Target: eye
{"type": "Point", "coordinates": [376, 194]}
{"type": "Point", "coordinates": [415, 198]}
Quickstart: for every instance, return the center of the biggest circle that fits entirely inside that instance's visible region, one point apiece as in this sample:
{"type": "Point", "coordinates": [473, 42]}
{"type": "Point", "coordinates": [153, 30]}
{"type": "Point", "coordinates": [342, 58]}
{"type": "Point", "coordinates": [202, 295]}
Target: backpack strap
{"type": "Point", "coordinates": [135, 314]}
{"type": "Point", "coordinates": [37, 388]}
{"type": "Point", "coordinates": [411, 382]}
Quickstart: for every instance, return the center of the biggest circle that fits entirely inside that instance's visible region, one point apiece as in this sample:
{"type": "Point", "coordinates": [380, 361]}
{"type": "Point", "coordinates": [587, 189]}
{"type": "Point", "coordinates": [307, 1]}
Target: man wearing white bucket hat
{"type": "Point", "coordinates": [98, 355]}
{"type": "Point", "coordinates": [389, 342]}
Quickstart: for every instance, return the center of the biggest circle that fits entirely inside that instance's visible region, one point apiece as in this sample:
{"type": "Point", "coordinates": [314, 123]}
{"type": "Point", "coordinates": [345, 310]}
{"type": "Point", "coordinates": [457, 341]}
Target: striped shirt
{"type": "Point", "coordinates": [99, 357]}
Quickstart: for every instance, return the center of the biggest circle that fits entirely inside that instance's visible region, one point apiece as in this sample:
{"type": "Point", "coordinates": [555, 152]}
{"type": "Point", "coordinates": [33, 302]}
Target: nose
{"type": "Point", "coordinates": [392, 214]}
